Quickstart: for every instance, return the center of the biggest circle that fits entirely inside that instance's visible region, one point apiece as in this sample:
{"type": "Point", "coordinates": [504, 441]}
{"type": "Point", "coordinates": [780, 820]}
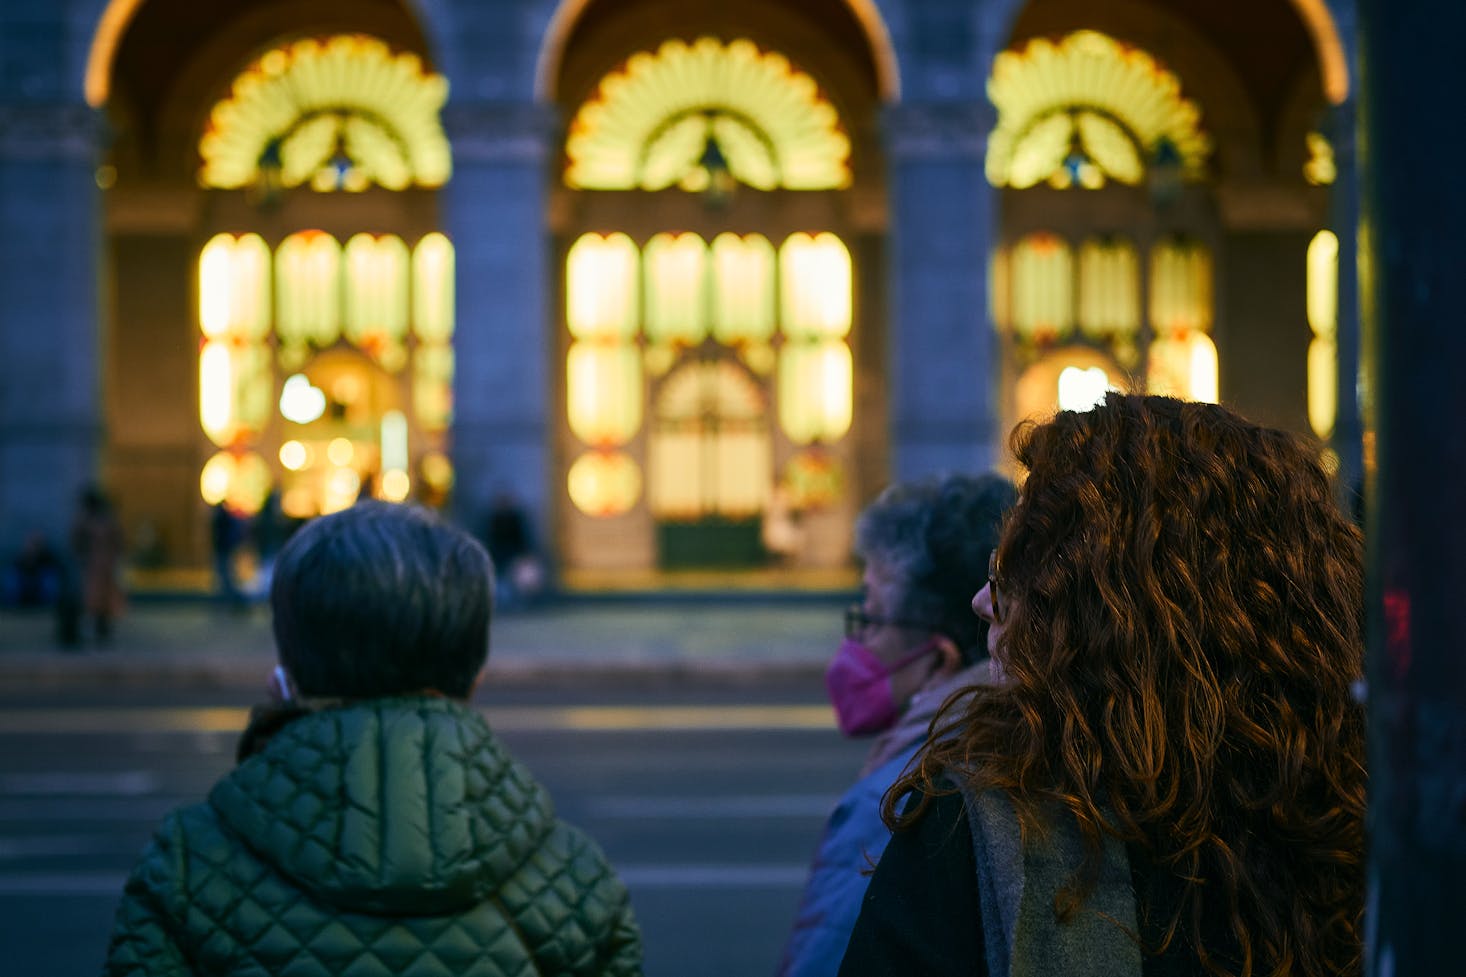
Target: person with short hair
{"type": "Point", "coordinates": [910, 643]}
{"type": "Point", "coordinates": [374, 824]}
{"type": "Point", "coordinates": [1170, 778]}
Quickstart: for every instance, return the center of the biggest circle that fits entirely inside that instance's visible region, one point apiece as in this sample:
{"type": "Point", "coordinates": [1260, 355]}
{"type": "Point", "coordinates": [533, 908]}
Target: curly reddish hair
{"type": "Point", "coordinates": [1183, 611]}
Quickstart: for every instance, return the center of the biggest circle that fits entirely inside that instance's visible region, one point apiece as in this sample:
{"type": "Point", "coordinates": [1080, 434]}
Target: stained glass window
{"type": "Point", "coordinates": [1109, 288]}
{"type": "Point", "coordinates": [1180, 286]}
{"type": "Point", "coordinates": [340, 113]}
{"type": "Point", "coordinates": [676, 289]}
{"type": "Point", "coordinates": [604, 386]}
{"type": "Point", "coordinates": [814, 391]}
{"type": "Point", "coordinates": [604, 483]}
{"type": "Point", "coordinates": [433, 310]}
{"type": "Point", "coordinates": [651, 123]}
{"type": "Point", "coordinates": [743, 288]}
{"type": "Point", "coordinates": [1085, 110]}
{"type": "Point", "coordinates": [815, 290]}
{"type": "Point", "coordinates": [602, 293]}
{"type": "Point", "coordinates": [376, 297]}
{"type": "Point", "coordinates": [308, 289]}
{"type": "Point", "coordinates": [1043, 288]}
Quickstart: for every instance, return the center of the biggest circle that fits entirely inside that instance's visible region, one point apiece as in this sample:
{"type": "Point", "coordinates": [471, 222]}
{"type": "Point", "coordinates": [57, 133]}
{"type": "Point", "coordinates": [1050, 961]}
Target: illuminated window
{"type": "Point", "coordinates": [601, 288]}
{"type": "Point", "coordinates": [1043, 288]}
{"type": "Point", "coordinates": [376, 298]}
{"type": "Point", "coordinates": [1183, 358]}
{"type": "Point", "coordinates": [234, 288]}
{"type": "Point", "coordinates": [814, 391]}
{"type": "Point", "coordinates": [676, 289]}
{"type": "Point", "coordinates": [709, 449]}
{"type": "Point", "coordinates": [432, 289]}
{"type": "Point", "coordinates": [651, 124]}
{"type": "Point", "coordinates": [605, 389]}
{"type": "Point", "coordinates": [1180, 286]}
{"type": "Point", "coordinates": [1320, 170]}
{"type": "Point", "coordinates": [1109, 288]}
{"type": "Point", "coordinates": [814, 274]}
{"type": "Point", "coordinates": [738, 286]}
{"type": "Point", "coordinates": [343, 113]}
{"type": "Point", "coordinates": [1087, 109]}
{"type": "Point", "coordinates": [392, 304]}
{"type": "Point", "coordinates": [743, 288]}
{"type": "Point", "coordinates": [240, 480]}
{"type": "Point", "coordinates": [308, 289]}
{"type": "Point", "coordinates": [1323, 321]}
{"type": "Point", "coordinates": [604, 483]}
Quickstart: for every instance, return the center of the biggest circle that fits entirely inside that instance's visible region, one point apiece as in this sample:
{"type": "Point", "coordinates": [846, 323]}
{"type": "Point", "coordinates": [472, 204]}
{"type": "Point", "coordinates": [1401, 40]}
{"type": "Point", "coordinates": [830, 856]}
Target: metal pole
{"type": "Point", "coordinates": [1412, 278]}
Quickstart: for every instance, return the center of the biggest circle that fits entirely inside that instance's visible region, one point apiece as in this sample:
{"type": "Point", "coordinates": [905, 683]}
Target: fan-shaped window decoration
{"type": "Point", "coordinates": [815, 291]}
{"type": "Point", "coordinates": [815, 383]}
{"type": "Point", "coordinates": [743, 288]}
{"type": "Point", "coordinates": [604, 483]}
{"type": "Point", "coordinates": [377, 299]}
{"type": "Point", "coordinates": [676, 289]}
{"type": "Point", "coordinates": [604, 388]}
{"type": "Point", "coordinates": [709, 450]}
{"type": "Point", "coordinates": [1323, 320]}
{"type": "Point", "coordinates": [601, 288]}
{"type": "Point", "coordinates": [308, 290]}
{"type": "Point", "coordinates": [1088, 109]}
{"type": "Point", "coordinates": [1043, 288]}
{"type": "Point", "coordinates": [652, 123]}
{"type": "Point", "coordinates": [1109, 288]}
{"type": "Point", "coordinates": [433, 308]}
{"type": "Point", "coordinates": [342, 113]}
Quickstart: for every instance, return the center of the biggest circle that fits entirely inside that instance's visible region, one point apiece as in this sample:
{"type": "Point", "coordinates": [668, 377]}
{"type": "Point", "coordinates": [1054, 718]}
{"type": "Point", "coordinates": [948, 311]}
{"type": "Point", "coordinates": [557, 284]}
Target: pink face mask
{"type": "Point", "coordinates": [859, 684]}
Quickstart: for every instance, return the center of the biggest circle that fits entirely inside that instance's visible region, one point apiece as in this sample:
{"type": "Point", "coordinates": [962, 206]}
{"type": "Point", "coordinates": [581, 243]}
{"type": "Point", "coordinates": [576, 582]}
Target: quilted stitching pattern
{"type": "Point", "coordinates": [389, 838]}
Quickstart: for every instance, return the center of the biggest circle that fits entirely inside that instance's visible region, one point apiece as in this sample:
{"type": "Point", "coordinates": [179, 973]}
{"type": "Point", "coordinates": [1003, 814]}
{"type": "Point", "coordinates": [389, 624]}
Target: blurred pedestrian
{"type": "Point", "coordinates": [36, 573]}
{"type": "Point", "coordinates": [270, 530]}
{"type": "Point", "coordinates": [96, 543]}
{"type": "Point", "coordinates": [374, 823]}
{"type": "Point", "coordinates": [226, 532]}
{"type": "Point", "coordinates": [518, 574]}
{"type": "Point", "coordinates": [911, 643]}
{"type": "Point", "coordinates": [1170, 778]}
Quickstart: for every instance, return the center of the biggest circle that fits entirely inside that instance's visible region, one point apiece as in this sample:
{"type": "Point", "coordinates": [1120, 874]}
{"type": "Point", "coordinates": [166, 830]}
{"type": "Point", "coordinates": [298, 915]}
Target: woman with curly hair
{"type": "Point", "coordinates": [1171, 778]}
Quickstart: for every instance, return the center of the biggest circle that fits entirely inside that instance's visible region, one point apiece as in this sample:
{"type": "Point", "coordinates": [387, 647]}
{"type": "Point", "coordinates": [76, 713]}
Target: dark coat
{"type": "Point", "coordinates": [392, 836]}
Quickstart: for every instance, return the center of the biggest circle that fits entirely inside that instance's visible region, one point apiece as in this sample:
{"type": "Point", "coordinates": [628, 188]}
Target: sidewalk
{"type": "Point", "coordinates": [193, 643]}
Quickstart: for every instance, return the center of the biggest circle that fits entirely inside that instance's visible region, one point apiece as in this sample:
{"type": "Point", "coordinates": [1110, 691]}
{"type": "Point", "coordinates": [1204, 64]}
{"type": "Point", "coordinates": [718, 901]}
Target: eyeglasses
{"type": "Point", "coordinates": [993, 591]}
{"type": "Point", "coordinates": [858, 622]}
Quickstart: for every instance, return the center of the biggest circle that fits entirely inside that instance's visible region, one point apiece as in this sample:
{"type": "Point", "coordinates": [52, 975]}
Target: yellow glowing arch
{"type": "Point", "coordinates": [1110, 99]}
{"type": "Point", "coordinates": [648, 124]}
{"type": "Point", "coordinates": [346, 101]}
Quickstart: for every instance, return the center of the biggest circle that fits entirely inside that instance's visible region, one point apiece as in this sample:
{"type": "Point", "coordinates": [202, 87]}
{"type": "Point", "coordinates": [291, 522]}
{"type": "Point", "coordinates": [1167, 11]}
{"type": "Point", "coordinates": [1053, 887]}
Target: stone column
{"type": "Point", "coordinates": [50, 347]}
{"type": "Point", "coordinates": [943, 375]}
{"type": "Point", "coordinates": [1412, 293]}
{"type": "Point", "coordinates": [494, 212]}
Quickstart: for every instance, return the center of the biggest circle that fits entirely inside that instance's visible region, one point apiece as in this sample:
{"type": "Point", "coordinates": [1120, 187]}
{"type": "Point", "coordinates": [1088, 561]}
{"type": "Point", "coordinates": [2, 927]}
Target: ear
{"type": "Point", "coordinates": [949, 656]}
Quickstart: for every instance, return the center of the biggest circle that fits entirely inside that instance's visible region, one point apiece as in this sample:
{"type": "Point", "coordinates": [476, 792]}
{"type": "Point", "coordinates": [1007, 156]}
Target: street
{"type": "Point", "coordinates": [707, 798]}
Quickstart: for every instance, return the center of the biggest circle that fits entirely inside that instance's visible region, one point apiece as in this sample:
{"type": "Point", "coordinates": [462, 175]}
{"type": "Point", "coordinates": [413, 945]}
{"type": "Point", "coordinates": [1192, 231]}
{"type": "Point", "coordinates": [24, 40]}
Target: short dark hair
{"type": "Point", "coordinates": [380, 600]}
{"type": "Point", "coordinates": [936, 535]}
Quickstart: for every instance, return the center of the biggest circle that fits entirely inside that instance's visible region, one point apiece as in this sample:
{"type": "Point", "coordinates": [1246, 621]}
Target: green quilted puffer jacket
{"type": "Point", "coordinates": [390, 837]}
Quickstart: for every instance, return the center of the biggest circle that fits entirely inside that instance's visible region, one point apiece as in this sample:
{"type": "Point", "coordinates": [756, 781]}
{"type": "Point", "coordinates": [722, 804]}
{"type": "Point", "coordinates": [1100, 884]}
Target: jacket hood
{"type": "Point", "coordinates": [404, 806]}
